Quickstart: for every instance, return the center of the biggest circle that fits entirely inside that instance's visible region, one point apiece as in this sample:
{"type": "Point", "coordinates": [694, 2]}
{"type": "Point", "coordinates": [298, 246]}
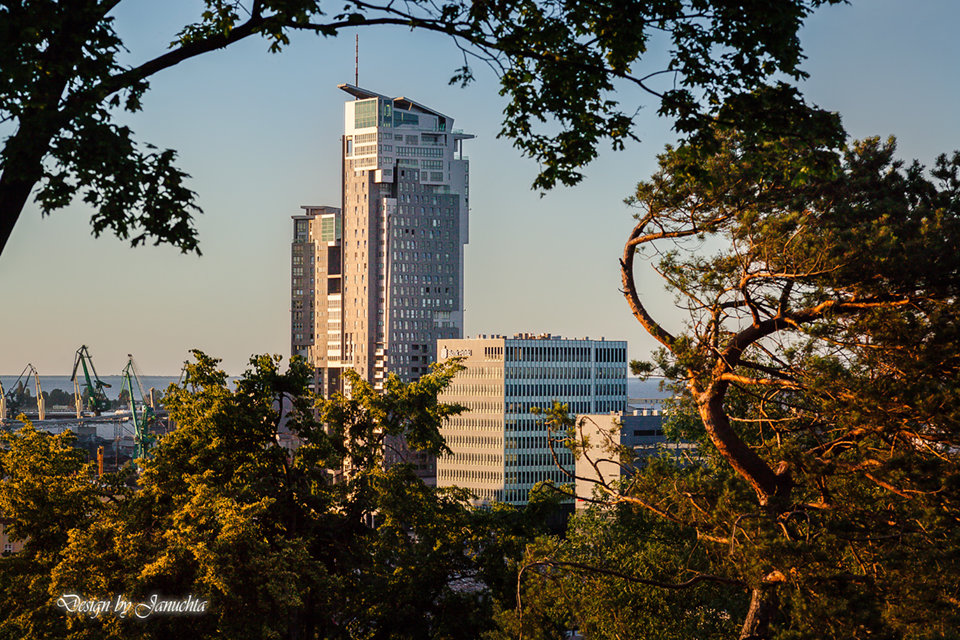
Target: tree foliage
{"type": "Point", "coordinates": [319, 542]}
{"type": "Point", "coordinates": [45, 492]}
{"type": "Point", "coordinates": [818, 369]}
{"type": "Point", "coordinates": [62, 82]}
{"type": "Point", "coordinates": [621, 573]}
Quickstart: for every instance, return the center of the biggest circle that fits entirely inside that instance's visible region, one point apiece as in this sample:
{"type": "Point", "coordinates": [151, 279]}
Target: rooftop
{"type": "Point", "coordinates": [398, 103]}
{"type": "Point", "coordinates": [532, 336]}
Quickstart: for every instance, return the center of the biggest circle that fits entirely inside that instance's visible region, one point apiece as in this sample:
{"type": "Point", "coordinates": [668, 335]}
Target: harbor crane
{"type": "Point", "coordinates": [97, 400]}
{"type": "Point", "coordinates": [141, 422]}
{"type": "Point", "coordinates": [17, 396]}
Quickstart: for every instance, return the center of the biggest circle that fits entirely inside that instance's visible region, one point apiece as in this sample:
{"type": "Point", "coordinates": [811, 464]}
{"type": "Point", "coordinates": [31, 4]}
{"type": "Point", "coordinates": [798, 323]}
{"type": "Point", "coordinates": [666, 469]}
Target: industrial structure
{"type": "Point", "coordinates": [17, 399]}
{"type": "Point", "coordinates": [95, 394]}
{"type": "Point", "coordinates": [110, 433]}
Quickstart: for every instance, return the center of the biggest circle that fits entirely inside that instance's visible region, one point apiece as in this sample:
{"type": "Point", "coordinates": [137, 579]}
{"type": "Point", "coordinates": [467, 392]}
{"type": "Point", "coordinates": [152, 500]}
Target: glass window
{"type": "Point", "coordinates": [365, 113]}
{"type": "Point", "coordinates": [404, 117]}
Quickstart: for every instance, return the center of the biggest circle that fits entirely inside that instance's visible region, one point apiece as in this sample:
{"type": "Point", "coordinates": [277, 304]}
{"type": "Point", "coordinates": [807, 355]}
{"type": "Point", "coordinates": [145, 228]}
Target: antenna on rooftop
{"type": "Point", "coordinates": [356, 62]}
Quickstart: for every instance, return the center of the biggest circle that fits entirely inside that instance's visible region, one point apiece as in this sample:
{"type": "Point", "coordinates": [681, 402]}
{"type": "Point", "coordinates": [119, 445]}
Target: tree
{"type": "Point", "coordinates": [61, 84]}
{"type": "Point", "coordinates": [818, 369]}
{"type": "Point", "coordinates": [59, 397]}
{"type": "Point", "coordinates": [619, 573]}
{"type": "Point", "coordinates": [45, 492]}
{"type": "Point", "coordinates": [320, 542]}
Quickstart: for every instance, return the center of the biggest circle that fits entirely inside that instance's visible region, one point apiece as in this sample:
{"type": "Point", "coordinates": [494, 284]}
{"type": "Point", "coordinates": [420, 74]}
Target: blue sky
{"type": "Point", "coordinates": [259, 134]}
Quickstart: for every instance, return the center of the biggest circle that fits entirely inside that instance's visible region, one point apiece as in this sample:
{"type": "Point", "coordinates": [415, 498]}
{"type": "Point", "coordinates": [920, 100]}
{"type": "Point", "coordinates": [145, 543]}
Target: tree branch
{"type": "Point", "coordinates": [581, 567]}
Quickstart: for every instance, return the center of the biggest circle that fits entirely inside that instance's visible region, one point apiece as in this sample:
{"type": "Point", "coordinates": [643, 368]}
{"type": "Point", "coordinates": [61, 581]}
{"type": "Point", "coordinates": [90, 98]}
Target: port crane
{"type": "Point", "coordinates": [141, 422]}
{"type": "Point", "coordinates": [97, 401]}
{"type": "Point", "coordinates": [16, 397]}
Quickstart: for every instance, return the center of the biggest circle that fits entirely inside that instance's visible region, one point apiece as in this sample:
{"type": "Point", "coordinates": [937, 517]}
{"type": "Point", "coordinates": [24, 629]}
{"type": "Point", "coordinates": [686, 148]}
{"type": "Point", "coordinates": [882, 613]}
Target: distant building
{"type": "Point", "coordinates": [638, 430]}
{"type": "Point", "coordinates": [7, 544]}
{"type": "Point", "coordinates": [405, 212]}
{"type": "Point", "coordinates": [316, 292]}
{"type": "Point", "coordinates": [500, 449]}
{"type": "Point", "coordinates": [377, 281]}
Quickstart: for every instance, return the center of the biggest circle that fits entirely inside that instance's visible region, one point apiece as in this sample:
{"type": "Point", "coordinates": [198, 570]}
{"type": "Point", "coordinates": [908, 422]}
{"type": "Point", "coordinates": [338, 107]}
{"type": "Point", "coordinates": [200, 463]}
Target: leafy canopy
{"type": "Point", "coordinates": [818, 367]}
{"type": "Point", "coordinates": [317, 542]}
{"type": "Point", "coordinates": [559, 63]}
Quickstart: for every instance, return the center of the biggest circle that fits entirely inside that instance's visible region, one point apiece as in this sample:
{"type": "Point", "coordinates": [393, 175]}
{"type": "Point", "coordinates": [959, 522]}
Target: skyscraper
{"type": "Point", "coordinates": [405, 211]}
{"type": "Point", "coordinates": [316, 292]}
{"type": "Point", "coordinates": [378, 281]}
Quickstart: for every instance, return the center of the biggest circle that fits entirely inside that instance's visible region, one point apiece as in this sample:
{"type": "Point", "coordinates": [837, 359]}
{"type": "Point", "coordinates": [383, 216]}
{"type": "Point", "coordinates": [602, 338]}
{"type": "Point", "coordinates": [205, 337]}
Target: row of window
{"type": "Point", "coordinates": [422, 244]}
{"type": "Point", "coordinates": [411, 224]}
{"type": "Point", "coordinates": [423, 267]}
{"type": "Point", "coordinates": [481, 372]}
{"type": "Point", "coordinates": [478, 406]}
{"type": "Point", "coordinates": [468, 421]}
{"type": "Point", "coordinates": [420, 152]}
{"type": "Point", "coordinates": [409, 335]}
{"type": "Point", "coordinates": [564, 353]}
{"type": "Point", "coordinates": [565, 390]}
{"type": "Point", "coordinates": [427, 279]}
{"type": "Point", "coordinates": [469, 475]}
{"type": "Point", "coordinates": [471, 440]}
{"type": "Point", "coordinates": [543, 459]}
{"type": "Point", "coordinates": [367, 137]}
{"type": "Point", "coordinates": [475, 459]}
{"type": "Point", "coordinates": [582, 372]}
{"type": "Point", "coordinates": [420, 255]}
{"type": "Point", "coordinates": [539, 441]}
{"type": "Point", "coordinates": [425, 234]}
{"type": "Point", "coordinates": [473, 389]}
{"type": "Point", "coordinates": [528, 479]}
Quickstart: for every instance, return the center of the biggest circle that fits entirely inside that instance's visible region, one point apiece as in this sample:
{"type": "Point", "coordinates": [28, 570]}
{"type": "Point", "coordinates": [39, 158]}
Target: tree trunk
{"type": "Point", "coordinates": [24, 151]}
{"type": "Point", "coordinates": [764, 605]}
{"type": "Point", "coordinates": [735, 451]}
{"type": "Point", "coordinates": [15, 189]}
{"type": "Point", "coordinates": [41, 116]}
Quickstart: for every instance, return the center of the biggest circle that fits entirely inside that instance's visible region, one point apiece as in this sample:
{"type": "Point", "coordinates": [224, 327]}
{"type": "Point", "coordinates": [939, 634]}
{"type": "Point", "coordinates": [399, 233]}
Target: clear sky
{"type": "Point", "coordinates": [259, 134]}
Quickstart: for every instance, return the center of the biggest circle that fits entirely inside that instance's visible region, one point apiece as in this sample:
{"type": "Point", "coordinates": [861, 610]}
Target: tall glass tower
{"type": "Point", "coordinates": [405, 223]}
{"type": "Point", "coordinates": [377, 281]}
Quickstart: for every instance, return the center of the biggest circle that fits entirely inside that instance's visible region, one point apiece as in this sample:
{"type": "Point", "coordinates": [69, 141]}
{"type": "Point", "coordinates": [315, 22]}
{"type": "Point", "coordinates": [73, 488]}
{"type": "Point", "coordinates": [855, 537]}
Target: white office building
{"type": "Point", "coordinates": [501, 449]}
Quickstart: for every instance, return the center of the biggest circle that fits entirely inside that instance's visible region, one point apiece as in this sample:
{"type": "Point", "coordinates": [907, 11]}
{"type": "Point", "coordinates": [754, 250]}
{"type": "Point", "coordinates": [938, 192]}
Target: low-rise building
{"type": "Point", "coordinates": [604, 436]}
{"type": "Point", "coordinates": [7, 544]}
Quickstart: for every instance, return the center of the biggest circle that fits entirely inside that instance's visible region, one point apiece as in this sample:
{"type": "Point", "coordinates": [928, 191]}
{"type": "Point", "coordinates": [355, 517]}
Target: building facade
{"type": "Point", "coordinates": [640, 431]}
{"type": "Point", "coordinates": [8, 545]}
{"type": "Point", "coordinates": [500, 448]}
{"type": "Point", "coordinates": [316, 294]}
{"type": "Point", "coordinates": [405, 225]}
{"type": "Point", "coordinates": [377, 281]}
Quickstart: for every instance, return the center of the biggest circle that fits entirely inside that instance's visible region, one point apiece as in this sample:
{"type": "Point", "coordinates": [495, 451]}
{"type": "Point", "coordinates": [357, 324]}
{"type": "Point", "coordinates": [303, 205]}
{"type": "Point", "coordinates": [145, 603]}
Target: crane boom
{"type": "Point", "coordinates": [41, 403]}
{"type": "Point", "coordinates": [141, 423]}
{"type": "Point", "coordinates": [98, 401]}
{"type": "Point", "coordinates": [16, 397]}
